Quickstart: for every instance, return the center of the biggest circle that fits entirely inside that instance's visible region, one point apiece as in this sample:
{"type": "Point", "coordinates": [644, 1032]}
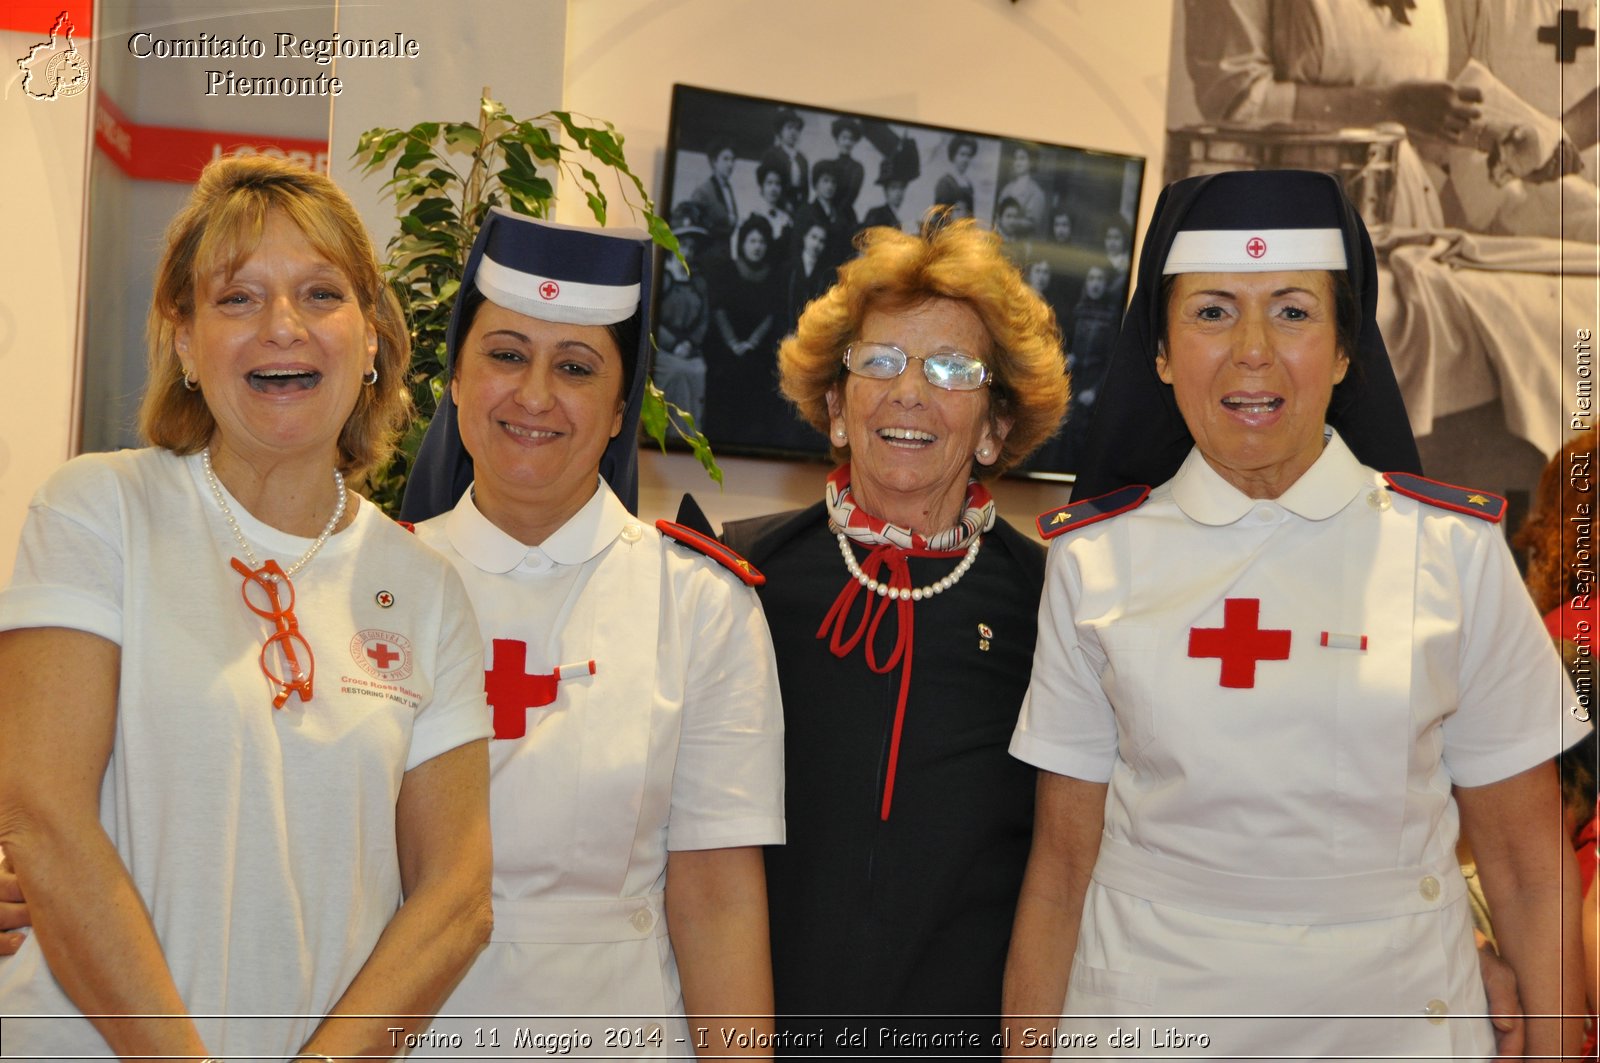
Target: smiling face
{"type": "Point", "coordinates": [1253, 359]}
{"type": "Point", "coordinates": [278, 347]}
{"type": "Point", "coordinates": [912, 445]}
{"type": "Point", "coordinates": [538, 402]}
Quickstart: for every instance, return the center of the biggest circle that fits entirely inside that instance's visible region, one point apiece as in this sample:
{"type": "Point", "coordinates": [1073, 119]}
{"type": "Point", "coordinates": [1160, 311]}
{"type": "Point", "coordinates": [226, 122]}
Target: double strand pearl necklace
{"type": "Point", "coordinates": [233, 523]}
{"type": "Point", "coordinates": [915, 594]}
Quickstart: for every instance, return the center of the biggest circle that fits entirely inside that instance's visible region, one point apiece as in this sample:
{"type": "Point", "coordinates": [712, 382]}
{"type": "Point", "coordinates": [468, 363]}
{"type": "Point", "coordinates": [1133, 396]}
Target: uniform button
{"type": "Point", "coordinates": [632, 532]}
{"type": "Point", "coordinates": [643, 920]}
{"type": "Point", "coordinates": [1436, 1011]}
{"type": "Point", "coordinates": [1378, 499]}
{"type": "Point", "coordinates": [1429, 888]}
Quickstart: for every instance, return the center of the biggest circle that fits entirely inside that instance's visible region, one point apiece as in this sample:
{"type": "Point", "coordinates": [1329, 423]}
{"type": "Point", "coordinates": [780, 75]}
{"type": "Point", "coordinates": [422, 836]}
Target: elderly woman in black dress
{"type": "Point", "coordinates": [903, 615]}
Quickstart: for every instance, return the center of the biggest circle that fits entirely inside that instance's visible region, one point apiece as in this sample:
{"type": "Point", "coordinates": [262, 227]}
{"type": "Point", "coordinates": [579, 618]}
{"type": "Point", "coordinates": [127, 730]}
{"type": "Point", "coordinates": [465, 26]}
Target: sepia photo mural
{"type": "Point", "coordinates": [1465, 131]}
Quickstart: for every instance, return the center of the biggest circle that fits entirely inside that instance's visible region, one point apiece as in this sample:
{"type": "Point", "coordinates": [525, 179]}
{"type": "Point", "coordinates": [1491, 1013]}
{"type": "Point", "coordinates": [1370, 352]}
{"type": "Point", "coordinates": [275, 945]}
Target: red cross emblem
{"type": "Point", "coordinates": [512, 692]}
{"type": "Point", "coordinates": [1239, 642]}
{"type": "Point", "coordinates": [549, 290]}
{"type": "Point", "coordinates": [383, 656]}
{"type": "Point", "coordinates": [1256, 247]}
{"type": "Point", "coordinates": [384, 599]}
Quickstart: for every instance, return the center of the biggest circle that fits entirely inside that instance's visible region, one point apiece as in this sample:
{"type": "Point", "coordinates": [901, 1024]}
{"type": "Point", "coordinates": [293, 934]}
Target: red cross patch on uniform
{"type": "Point", "coordinates": [728, 559]}
{"type": "Point", "coordinates": [1074, 515]}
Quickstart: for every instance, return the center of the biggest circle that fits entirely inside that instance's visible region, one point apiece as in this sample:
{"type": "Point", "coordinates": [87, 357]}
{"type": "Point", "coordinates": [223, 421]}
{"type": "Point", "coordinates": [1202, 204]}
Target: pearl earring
{"type": "Point", "coordinates": [839, 435]}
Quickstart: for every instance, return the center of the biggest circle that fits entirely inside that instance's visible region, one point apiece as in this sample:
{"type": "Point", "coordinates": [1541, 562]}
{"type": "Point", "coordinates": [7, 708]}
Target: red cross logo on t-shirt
{"type": "Point", "coordinates": [383, 656]}
{"type": "Point", "coordinates": [1256, 247]}
{"type": "Point", "coordinates": [1239, 642]}
{"type": "Point", "coordinates": [549, 290]}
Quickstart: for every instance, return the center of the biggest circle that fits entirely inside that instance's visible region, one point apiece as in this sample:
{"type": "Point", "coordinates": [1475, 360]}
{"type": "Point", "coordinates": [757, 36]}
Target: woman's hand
{"type": "Point", "coordinates": [1433, 108]}
{"type": "Point", "coordinates": [717, 919]}
{"type": "Point", "coordinates": [1525, 861]}
{"type": "Point", "coordinates": [13, 909]}
{"type": "Point", "coordinates": [442, 824]}
{"type": "Point", "coordinates": [1068, 817]}
{"type": "Point", "coordinates": [58, 711]}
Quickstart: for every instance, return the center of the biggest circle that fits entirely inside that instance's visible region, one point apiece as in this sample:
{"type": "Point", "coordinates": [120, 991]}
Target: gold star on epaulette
{"type": "Point", "coordinates": [1477, 500]}
{"type": "Point", "coordinates": [744, 566]}
{"type": "Point", "coordinates": [1061, 518]}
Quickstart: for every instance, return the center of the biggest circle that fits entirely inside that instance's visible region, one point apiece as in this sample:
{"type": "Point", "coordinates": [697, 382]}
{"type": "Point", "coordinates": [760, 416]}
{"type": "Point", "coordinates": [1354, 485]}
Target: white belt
{"type": "Point", "coordinates": [575, 922]}
{"type": "Point", "coordinates": [1310, 900]}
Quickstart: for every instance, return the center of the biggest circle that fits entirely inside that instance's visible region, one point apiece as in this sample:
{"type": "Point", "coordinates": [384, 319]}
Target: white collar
{"type": "Point", "coordinates": [582, 537]}
{"type": "Point", "coordinates": [1321, 491]}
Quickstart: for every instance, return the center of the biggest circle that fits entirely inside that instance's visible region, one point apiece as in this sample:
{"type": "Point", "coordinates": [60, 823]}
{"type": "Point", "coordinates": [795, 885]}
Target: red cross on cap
{"type": "Point", "coordinates": [1255, 247]}
{"type": "Point", "coordinates": [549, 290]}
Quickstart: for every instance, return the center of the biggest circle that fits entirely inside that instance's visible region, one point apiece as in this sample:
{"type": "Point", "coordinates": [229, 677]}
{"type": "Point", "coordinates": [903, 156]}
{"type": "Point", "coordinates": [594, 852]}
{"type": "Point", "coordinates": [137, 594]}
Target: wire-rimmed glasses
{"type": "Point", "coordinates": [950, 370]}
{"type": "Point", "coordinates": [286, 648]}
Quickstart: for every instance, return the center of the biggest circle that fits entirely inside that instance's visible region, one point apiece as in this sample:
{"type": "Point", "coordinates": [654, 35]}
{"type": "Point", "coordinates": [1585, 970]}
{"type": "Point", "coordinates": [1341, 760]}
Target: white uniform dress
{"type": "Point", "coordinates": [262, 841]}
{"type": "Point", "coordinates": [1285, 845]}
{"type": "Point", "coordinates": [675, 741]}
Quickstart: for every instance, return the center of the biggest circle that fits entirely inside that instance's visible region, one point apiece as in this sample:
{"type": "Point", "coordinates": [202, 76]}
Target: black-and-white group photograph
{"type": "Point", "coordinates": [766, 198]}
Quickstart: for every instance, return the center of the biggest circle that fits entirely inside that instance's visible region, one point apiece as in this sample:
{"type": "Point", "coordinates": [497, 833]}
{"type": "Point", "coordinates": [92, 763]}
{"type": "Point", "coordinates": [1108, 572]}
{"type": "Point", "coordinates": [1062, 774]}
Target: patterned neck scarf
{"type": "Point", "coordinates": [862, 527]}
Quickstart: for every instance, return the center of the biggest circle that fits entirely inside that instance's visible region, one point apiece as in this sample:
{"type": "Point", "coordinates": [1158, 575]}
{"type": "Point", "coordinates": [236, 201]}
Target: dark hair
{"type": "Point", "coordinates": [840, 125]}
{"type": "Point", "coordinates": [786, 116]}
{"type": "Point", "coordinates": [1346, 312]}
{"type": "Point", "coordinates": [753, 223]}
{"type": "Point", "coordinates": [625, 334]}
{"type": "Point", "coordinates": [766, 168]}
{"type": "Point", "coordinates": [957, 143]}
{"type": "Point", "coordinates": [718, 146]}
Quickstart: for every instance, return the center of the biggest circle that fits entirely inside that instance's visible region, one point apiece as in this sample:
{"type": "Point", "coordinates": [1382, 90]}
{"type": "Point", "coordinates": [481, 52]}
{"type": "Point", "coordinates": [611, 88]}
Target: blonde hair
{"type": "Point", "coordinates": [952, 259]}
{"type": "Point", "coordinates": [219, 228]}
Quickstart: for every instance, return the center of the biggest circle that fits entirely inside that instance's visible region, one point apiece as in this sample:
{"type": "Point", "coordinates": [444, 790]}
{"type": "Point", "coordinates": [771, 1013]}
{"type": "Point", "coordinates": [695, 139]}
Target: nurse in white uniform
{"type": "Point", "coordinates": [637, 762]}
{"type": "Point", "coordinates": [1267, 692]}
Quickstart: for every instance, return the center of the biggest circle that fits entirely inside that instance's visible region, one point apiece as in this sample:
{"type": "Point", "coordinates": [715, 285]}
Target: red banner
{"type": "Point", "coordinates": [38, 16]}
{"type": "Point", "coordinates": [167, 153]}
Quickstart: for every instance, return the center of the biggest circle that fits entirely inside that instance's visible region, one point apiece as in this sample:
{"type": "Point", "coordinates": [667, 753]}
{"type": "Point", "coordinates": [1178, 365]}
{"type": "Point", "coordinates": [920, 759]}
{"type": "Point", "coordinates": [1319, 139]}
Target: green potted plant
{"type": "Point", "coordinates": [444, 177]}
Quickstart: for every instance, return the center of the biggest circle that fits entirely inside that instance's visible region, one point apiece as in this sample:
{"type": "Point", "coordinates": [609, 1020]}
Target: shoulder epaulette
{"type": "Point", "coordinates": [1074, 515]}
{"type": "Point", "coordinates": [716, 551]}
{"type": "Point", "coordinates": [408, 526]}
{"type": "Point", "coordinates": [1480, 504]}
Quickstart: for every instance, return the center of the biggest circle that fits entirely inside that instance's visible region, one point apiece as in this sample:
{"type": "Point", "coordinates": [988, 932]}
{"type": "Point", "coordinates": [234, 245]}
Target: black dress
{"type": "Point", "coordinates": [890, 920]}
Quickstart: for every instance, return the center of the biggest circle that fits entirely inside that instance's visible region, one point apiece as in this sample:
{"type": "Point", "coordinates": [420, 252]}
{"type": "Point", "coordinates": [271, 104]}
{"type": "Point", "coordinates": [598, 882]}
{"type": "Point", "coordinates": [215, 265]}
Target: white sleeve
{"type": "Point", "coordinates": [1515, 700]}
{"type": "Point", "coordinates": [727, 789]}
{"type": "Point", "coordinates": [69, 570]}
{"type": "Point", "coordinates": [1228, 54]}
{"type": "Point", "coordinates": [1066, 725]}
{"type": "Point", "coordinates": [457, 713]}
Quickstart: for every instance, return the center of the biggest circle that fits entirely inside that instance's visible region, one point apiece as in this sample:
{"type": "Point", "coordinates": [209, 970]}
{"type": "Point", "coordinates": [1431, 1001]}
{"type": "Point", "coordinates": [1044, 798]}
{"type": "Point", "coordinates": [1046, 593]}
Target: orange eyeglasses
{"type": "Point", "coordinates": [285, 648]}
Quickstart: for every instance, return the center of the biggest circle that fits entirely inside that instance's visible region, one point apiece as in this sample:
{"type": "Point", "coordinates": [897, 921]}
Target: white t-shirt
{"type": "Point", "coordinates": [262, 841]}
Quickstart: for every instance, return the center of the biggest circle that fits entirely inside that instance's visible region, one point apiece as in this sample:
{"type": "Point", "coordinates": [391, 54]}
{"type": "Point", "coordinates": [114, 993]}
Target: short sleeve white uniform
{"type": "Point", "coordinates": [1287, 847]}
{"type": "Point", "coordinates": [262, 841]}
{"type": "Point", "coordinates": [674, 742]}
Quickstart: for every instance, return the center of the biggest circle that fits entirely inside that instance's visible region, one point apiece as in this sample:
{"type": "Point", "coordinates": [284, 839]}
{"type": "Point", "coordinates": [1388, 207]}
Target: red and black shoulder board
{"type": "Point", "coordinates": [1074, 515]}
{"type": "Point", "coordinates": [713, 549]}
{"type": "Point", "coordinates": [1480, 504]}
{"type": "Point", "coordinates": [408, 526]}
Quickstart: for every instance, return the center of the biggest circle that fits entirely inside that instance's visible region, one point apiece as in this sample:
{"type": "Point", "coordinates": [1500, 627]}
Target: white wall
{"type": "Point", "coordinates": [42, 188]}
{"type": "Point", "coordinates": [1080, 72]}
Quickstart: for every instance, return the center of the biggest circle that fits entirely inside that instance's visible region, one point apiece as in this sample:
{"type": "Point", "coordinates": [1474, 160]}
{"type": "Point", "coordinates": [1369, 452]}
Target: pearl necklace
{"type": "Point", "coordinates": [233, 523]}
{"type": "Point", "coordinates": [915, 594]}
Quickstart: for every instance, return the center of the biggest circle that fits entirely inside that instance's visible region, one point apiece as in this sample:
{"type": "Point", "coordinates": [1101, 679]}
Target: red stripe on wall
{"type": "Point", "coordinates": [168, 153]}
